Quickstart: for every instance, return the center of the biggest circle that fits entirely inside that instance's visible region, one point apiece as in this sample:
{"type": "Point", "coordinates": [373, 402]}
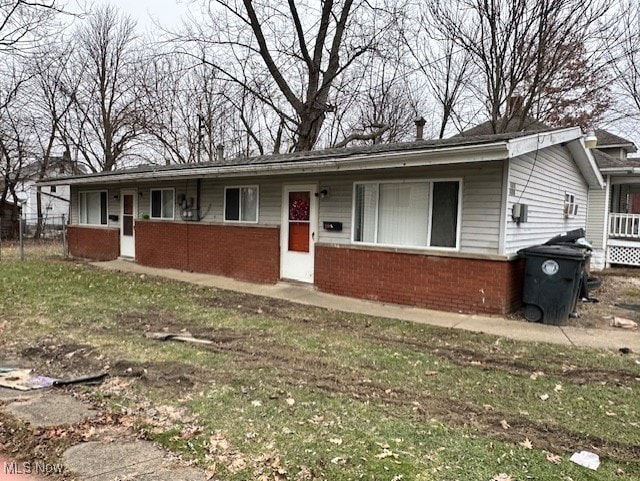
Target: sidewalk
{"type": "Point", "coordinates": [519, 330]}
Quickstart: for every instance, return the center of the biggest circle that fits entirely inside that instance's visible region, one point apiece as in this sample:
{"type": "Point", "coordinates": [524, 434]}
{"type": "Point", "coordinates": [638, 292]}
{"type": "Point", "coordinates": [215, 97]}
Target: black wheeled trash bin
{"type": "Point", "coordinates": [551, 282]}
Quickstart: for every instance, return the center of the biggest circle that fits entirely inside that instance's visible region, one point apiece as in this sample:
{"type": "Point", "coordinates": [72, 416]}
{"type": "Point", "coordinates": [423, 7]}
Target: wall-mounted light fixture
{"type": "Point", "coordinates": [116, 196]}
{"type": "Point", "coordinates": [140, 194]}
{"type": "Point", "coordinates": [323, 193]}
{"type": "Point", "coordinates": [590, 140]}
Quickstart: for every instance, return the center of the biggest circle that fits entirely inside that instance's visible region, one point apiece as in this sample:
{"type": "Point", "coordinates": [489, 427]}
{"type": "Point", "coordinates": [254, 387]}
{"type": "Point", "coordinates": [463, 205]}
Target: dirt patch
{"type": "Point", "coordinates": [62, 360]}
{"type": "Point", "coordinates": [619, 286]}
{"type": "Point", "coordinates": [161, 374]}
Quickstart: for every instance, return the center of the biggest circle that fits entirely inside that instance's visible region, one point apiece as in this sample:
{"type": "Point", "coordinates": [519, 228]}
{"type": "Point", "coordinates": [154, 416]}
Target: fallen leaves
{"type": "Point", "coordinates": [504, 424]}
{"type": "Point", "coordinates": [526, 444]}
{"type": "Point", "coordinates": [554, 458]}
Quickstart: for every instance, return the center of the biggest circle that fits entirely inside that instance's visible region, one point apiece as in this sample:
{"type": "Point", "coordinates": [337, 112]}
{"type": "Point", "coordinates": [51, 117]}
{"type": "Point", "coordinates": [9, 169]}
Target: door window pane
{"type": "Point", "coordinates": [299, 226]}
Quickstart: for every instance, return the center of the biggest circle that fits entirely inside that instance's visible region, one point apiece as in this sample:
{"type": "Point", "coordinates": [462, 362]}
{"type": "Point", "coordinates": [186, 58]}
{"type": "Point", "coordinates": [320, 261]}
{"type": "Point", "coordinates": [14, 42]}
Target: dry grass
{"type": "Point", "coordinates": [291, 392]}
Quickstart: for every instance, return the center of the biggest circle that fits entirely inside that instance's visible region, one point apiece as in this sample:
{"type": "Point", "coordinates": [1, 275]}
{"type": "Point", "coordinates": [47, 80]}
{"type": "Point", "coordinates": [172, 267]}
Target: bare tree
{"type": "Point", "coordinates": [50, 104]}
{"type": "Point", "coordinates": [24, 22]}
{"type": "Point", "coordinates": [446, 68]}
{"type": "Point", "coordinates": [625, 57]}
{"type": "Point", "coordinates": [575, 94]}
{"type": "Point", "coordinates": [377, 102]}
{"type": "Point", "coordinates": [15, 132]}
{"type": "Point", "coordinates": [104, 120]}
{"type": "Point", "coordinates": [291, 61]}
{"type": "Point", "coordinates": [519, 46]}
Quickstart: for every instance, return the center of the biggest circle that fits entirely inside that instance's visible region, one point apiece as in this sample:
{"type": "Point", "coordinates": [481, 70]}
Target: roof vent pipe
{"type": "Point", "coordinates": [219, 152]}
{"type": "Point", "coordinates": [420, 122]}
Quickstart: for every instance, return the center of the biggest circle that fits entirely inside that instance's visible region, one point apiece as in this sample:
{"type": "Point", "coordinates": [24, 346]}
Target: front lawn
{"type": "Point", "coordinates": [293, 392]}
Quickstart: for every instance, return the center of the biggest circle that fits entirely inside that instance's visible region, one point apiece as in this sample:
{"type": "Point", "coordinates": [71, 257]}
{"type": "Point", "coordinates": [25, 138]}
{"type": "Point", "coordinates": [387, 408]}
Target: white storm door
{"type": "Point", "coordinates": [298, 232]}
{"type": "Point", "coordinates": [128, 209]}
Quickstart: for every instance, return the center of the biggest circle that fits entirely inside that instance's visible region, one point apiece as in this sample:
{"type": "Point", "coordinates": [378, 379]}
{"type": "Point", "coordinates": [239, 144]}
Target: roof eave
{"type": "Point", "coordinates": [415, 158]}
{"type": "Point", "coordinates": [586, 162]}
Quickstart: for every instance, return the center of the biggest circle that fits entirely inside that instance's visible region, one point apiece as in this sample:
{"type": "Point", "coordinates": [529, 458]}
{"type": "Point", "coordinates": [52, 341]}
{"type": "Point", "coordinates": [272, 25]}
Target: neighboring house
{"type": "Point", "coordinates": [7, 226]}
{"type": "Point", "coordinates": [54, 198]}
{"type": "Point", "coordinates": [426, 223]}
{"type": "Point", "coordinates": [613, 224]}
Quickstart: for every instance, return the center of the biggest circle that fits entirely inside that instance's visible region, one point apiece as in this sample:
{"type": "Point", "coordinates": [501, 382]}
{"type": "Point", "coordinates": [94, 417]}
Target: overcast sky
{"type": "Point", "coordinates": [167, 13]}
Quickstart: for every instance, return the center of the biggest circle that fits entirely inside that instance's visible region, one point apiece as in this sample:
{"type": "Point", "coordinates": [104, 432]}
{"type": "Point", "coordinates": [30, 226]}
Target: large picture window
{"type": "Point", "coordinates": [93, 207]}
{"type": "Point", "coordinates": [162, 203]}
{"type": "Point", "coordinates": [408, 213]}
{"type": "Point", "coordinates": [241, 204]}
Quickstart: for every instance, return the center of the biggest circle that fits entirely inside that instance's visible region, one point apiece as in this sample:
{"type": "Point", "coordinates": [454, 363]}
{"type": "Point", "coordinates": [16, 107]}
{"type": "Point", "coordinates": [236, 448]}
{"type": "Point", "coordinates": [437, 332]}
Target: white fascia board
{"type": "Point", "coordinates": [542, 140]}
{"type": "Point", "coordinates": [386, 160]}
{"type": "Point", "coordinates": [586, 162]}
{"type": "Point", "coordinates": [573, 138]}
{"type": "Point", "coordinates": [625, 178]}
{"type": "Point", "coordinates": [622, 171]}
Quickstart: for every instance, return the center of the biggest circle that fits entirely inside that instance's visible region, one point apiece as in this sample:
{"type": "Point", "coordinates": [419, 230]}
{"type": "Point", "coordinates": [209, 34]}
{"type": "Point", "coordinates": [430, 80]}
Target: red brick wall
{"type": "Point", "coordinates": [241, 252]}
{"type": "Point", "coordinates": [435, 282]}
{"type": "Point", "coordinates": [96, 243]}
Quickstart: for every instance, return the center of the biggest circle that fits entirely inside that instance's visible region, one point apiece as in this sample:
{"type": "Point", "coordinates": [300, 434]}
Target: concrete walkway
{"type": "Point", "coordinates": [576, 336]}
{"type": "Point", "coordinates": [95, 460]}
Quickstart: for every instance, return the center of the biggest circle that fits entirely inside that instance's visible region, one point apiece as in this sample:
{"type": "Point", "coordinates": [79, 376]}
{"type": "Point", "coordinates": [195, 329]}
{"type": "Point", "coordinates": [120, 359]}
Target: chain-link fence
{"type": "Point", "coordinates": [41, 238]}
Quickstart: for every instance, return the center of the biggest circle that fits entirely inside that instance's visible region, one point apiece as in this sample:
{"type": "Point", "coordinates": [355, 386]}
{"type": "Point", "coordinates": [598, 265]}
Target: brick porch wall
{"type": "Point", "coordinates": [241, 252]}
{"type": "Point", "coordinates": [95, 243]}
{"type": "Point", "coordinates": [435, 282]}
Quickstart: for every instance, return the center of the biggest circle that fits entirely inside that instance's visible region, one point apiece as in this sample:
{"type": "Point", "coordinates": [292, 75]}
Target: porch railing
{"type": "Point", "coordinates": [624, 226]}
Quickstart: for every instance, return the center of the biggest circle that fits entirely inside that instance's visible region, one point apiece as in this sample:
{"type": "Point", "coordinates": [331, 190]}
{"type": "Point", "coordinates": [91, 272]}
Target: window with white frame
{"type": "Point", "coordinates": [407, 213]}
{"type": "Point", "coordinates": [570, 205]}
{"type": "Point", "coordinates": [241, 204]}
{"type": "Point", "coordinates": [93, 207]}
{"type": "Point", "coordinates": [162, 203]}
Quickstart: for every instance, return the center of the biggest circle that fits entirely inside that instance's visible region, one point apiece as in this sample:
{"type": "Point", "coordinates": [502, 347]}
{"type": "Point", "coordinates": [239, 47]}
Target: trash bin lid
{"type": "Point", "coordinates": [558, 251]}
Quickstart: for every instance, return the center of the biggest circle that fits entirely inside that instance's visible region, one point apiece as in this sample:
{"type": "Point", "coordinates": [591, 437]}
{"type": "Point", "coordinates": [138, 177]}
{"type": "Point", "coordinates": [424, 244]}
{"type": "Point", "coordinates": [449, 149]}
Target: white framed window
{"type": "Point", "coordinates": [409, 213]}
{"type": "Point", "coordinates": [93, 207]}
{"type": "Point", "coordinates": [162, 203]}
{"type": "Point", "coordinates": [241, 203]}
{"type": "Point", "coordinates": [570, 205]}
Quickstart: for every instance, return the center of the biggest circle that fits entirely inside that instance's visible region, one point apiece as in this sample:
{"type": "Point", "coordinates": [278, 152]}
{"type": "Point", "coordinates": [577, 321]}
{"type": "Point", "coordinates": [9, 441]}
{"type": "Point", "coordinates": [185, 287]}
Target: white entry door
{"type": "Point", "coordinates": [298, 232]}
{"type": "Point", "coordinates": [128, 209]}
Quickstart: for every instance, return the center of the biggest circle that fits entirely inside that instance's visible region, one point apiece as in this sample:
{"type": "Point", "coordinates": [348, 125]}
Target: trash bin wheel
{"type": "Point", "coordinates": [532, 313]}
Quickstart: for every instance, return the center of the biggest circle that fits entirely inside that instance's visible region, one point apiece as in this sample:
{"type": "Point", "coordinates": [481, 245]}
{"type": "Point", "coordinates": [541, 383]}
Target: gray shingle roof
{"type": "Point", "coordinates": [607, 139]}
{"type": "Point", "coordinates": [606, 161]}
{"type": "Point", "coordinates": [318, 155]}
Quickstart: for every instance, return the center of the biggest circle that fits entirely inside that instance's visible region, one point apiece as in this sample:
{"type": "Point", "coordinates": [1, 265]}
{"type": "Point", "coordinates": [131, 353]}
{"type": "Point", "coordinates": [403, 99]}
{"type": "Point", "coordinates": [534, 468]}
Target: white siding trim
{"type": "Point", "coordinates": [502, 241]}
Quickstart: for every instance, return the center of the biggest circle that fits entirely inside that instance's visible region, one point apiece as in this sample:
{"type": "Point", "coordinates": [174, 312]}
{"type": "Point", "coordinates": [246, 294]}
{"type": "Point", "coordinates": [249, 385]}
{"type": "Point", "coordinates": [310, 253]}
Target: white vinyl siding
{"type": "Point", "coordinates": [480, 205]}
{"type": "Point", "coordinates": [596, 217]}
{"type": "Point", "coordinates": [541, 181]}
